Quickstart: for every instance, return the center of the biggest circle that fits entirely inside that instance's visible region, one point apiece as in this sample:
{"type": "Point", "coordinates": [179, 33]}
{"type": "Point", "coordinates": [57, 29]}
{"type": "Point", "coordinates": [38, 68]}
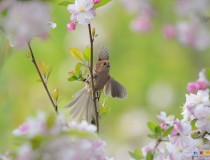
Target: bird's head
{"type": "Point", "coordinates": [102, 66]}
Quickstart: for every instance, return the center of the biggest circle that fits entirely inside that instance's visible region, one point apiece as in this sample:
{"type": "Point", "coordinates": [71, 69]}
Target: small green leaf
{"type": "Point", "coordinates": [73, 78]}
{"type": "Point", "coordinates": [193, 124]}
{"type": "Point", "coordinates": [78, 70]}
{"type": "Point", "coordinates": [56, 94]}
{"type": "Point", "coordinates": [158, 130]}
{"type": "Point", "coordinates": [77, 54]}
{"type": "Point", "coordinates": [102, 3]}
{"type": "Point", "coordinates": [104, 109]}
{"type": "Point", "coordinates": [66, 3]}
{"type": "Point", "coordinates": [137, 155]}
{"type": "Point", "coordinates": [149, 156]}
{"type": "Point", "coordinates": [87, 54]}
{"type": "Point", "coordinates": [153, 136]}
{"type": "Point", "coordinates": [168, 131]}
{"type": "Point", "coordinates": [151, 126]}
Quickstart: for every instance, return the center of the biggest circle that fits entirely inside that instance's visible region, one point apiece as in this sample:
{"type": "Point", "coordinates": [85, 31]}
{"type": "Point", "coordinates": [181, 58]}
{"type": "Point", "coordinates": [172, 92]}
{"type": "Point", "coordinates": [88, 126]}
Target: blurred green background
{"type": "Point", "coordinates": [154, 70]}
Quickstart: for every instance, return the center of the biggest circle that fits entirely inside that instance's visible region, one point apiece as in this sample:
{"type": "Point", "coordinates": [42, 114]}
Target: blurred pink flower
{"type": "Point", "coordinates": [82, 11]}
{"type": "Point", "coordinates": [20, 26]}
{"type": "Point", "coordinates": [66, 140]}
{"type": "Point", "coordinates": [32, 127]}
{"type": "Point", "coordinates": [148, 148]}
{"type": "Point", "coordinates": [141, 24]}
{"type": "Point", "coordinates": [169, 31]}
{"type": "Point", "coordinates": [96, 1]}
{"type": "Point", "coordinates": [71, 26]}
{"type": "Point", "coordinates": [194, 34]}
{"type": "Point", "coordinates": [201, 84]}
{"type": "Point", "coordinates": [83, 126]}
{"type": "Point", "coordinates": [190, 7]}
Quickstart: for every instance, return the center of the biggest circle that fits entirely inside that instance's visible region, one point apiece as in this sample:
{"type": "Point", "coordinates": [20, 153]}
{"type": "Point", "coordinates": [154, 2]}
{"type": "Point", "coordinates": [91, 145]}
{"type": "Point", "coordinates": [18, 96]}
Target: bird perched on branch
{"type": "Point", "coordinates": [83, 101]}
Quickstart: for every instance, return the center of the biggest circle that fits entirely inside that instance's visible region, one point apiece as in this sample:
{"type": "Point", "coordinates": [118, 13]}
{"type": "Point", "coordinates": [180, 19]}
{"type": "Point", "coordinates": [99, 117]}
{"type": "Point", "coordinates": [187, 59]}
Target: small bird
{"type": "Point", "coordinates": [83, 101]}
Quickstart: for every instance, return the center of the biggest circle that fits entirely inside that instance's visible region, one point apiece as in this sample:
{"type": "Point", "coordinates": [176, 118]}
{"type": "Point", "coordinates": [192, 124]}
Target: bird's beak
{"type": "Point", "coordinates": [108, 65]}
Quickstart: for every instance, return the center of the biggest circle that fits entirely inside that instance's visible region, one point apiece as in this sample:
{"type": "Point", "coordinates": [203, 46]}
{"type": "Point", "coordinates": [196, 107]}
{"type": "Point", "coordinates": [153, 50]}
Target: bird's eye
{"type": "Point", "coordinates": [104, 63]}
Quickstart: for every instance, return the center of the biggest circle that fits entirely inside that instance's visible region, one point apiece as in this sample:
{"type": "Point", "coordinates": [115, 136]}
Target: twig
{"type": "Point", "coordinates": [91, 77]}
{"type": "Point", "coordinates": [42, 79]}
{"type": "Point", "coordinates": [155, 148]}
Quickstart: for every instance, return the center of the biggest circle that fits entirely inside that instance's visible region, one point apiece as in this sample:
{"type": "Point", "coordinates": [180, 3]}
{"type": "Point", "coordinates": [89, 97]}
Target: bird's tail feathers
{"type": "Point", "coordinates": [82, 105]}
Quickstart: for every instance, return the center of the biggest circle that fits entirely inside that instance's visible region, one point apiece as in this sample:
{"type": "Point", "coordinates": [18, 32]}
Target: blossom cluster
{"type": "Point", "coordinates": [185, 138]}
{"type": "Point", "coordinates": [50, 138]}
{"type": "Point", "coordinates": [81, 12]}
{"type": "Point", "coordinates": [22, 21]}
{"type": "Point", "coordinates": [190, 27]}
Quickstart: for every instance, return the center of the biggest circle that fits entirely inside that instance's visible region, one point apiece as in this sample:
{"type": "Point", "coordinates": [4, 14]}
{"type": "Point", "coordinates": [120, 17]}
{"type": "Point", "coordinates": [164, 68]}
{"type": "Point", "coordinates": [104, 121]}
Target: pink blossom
{"type": "Point", "coordinates": [169, 31]}
{"type": "Point", "coordinates": [193, 33]}
{"type": "Point", "coordinates": [148, 148]}
{"type": "Point", "coordinates": [189, 7]}
{"type": "Point", "coordinates": [141, 24]}
{"type": "Point", "coordinates": [202, 85]}
{"type": "Point", "coordinates": [203, 115]}
{"type": "Point", "coordinates": [82, 11]}
{"type": "Point", "coordinates": [193, 101]}
{"type": "Point", "coordinates": [96, 1]}
{"type": "Point", "coordinates": [180, 134]}
{"type": "Point", "coordinates": [20, 26]}
{"type": "Point", "coordinates": [192, 87]}
{"type": "Point", "coordinates": [71, 26]}
{"type": "Point", "coordinates": [66, 140]}
{"type": "Point", "coordinates": [168, 120]}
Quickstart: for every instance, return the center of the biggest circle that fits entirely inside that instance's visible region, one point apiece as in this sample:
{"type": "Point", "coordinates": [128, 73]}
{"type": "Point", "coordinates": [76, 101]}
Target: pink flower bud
{"type": "Point", "coordinates": [96, 1]}
{"type": "Point", "coordinates": [192, 87]}
{"type": "Point", "coordinates": [71, 26]}
{"type": "Point", "coordinates": [169, 31]}
{"type": "Point", "coordinates": [202, 85]}
{"type": "Point", "coordinates": [163, 126]}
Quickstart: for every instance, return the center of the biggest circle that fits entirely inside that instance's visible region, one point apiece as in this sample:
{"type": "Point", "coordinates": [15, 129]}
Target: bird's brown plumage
{"type": "Point", "coordinates": [83, 100]}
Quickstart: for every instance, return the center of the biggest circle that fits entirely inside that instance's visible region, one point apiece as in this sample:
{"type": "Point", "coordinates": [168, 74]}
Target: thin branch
{"type": "Point", "coordinates": [155, 148]}
{"type": "Point", "coordinates": [91, 77]}
{"type": "Point", "coordinates": [42, 79]}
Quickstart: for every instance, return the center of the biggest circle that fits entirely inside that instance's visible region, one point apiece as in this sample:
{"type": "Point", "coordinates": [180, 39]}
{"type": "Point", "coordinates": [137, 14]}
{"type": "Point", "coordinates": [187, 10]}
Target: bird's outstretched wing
{"type": "Point", "coordinates": [103, 54]}
{"type": "Point", "coordinates": [114, 89]}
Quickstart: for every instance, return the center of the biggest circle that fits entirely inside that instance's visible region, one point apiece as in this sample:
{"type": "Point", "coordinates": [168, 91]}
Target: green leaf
{"type": "Point", "coordinates": [87, 54]}
{"type": "Point", "coordinates": [56, 94]}
{"type": "Point", "coordinates": [193, 124]}
{"type": "Point", "coordinates": [73, 78]}
{"type": "Point", "coordinates": [137, 155]}
{"type": "Point", "coordinates": [151, 126]}
{"type": "Point", "coordinates": [78, 70]}
{"type": "Point", "coordinates": [77, 54]}
{"type": "Point", "coordinates": [102, 3]}
{"type": "Point", "coordinates": [66, 3]}
{"type": "Point", "coordinates": [167, 131]}
{"type": "Point", "coordinates": [104, 109]}
{"type": "Point", "coordinates": [37, 141]}
{"type": "Point", "coordinates": [153, 136]}
{"type": "Point", "coordinates": [149, 156]}
{"type": "Point", "coordinates": [158, 130]}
